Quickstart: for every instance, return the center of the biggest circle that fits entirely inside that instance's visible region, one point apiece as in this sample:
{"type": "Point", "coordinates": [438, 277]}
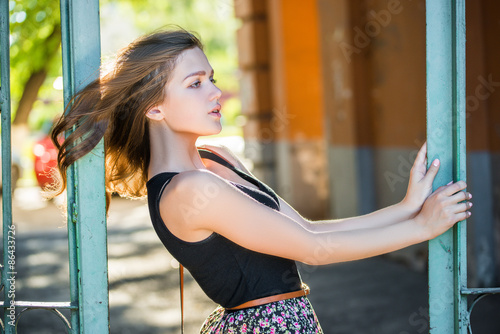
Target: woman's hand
{"type": "Point", "coordinates": [420, 185]}
{"type": "Point", "coordinates": [444, 208]}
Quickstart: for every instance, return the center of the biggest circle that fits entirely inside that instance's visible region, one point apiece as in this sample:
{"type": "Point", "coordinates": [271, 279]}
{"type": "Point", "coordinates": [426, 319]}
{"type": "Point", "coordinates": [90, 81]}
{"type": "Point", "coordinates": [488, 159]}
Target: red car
{"type": "Point", "coordinates": [45, 161]}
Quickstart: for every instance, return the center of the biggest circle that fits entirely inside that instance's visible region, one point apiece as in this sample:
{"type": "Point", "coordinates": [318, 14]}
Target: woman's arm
{"type": "Point", "coordinates": [419, 188]}
{"type": "Point", "coordinates": [201, 201]}
{"type": "Point", "coordinates": [387, 216]}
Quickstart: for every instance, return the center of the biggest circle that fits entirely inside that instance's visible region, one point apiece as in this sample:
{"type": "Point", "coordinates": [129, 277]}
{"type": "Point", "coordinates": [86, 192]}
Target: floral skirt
{"type": "Point", "coordinates": [290, 316]}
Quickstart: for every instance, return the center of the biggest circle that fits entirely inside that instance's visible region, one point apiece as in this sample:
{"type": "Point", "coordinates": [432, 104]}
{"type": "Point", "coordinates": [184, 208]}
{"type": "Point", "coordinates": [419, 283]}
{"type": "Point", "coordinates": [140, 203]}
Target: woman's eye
{"type": "Point", "coordinates": [195, 84]}
{"type": "Point", "coordinates": [213, 80]}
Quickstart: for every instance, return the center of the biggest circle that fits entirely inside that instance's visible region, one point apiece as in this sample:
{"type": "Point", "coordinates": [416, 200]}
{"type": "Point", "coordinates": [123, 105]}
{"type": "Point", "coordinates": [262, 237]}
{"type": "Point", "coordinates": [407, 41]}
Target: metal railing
{"type": "Point", "coordinates": [87, 233]}
{"type": "Point", "coordinates": [449, 311]}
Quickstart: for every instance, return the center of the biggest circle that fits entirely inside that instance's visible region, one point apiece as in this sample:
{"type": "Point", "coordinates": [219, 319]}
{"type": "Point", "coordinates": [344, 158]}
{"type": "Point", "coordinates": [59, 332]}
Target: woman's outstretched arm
{"type": "Point", "coordinates": [419, 188]}
{"type": "Point", "coordinates": [387, 216]}
{"type": "Point", "coordinates": [202, 202]}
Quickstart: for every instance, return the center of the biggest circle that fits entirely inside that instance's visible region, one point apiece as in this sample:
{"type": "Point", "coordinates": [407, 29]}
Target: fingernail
{"type": "Point", "coordinates": [470, 195]}
{"type": "Point", "coordinates": [470, 205]}
{"type": "Point", "coordinates": [436, 162]}
{"type": "Point", "coordinates": [449, 183]}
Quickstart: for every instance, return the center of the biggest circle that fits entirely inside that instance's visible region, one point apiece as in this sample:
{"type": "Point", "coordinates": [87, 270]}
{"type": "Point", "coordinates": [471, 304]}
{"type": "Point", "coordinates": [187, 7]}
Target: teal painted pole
{"type": "Point", "coordinates": [445, 35]}
{"type": "Point", "coordinates": [68, 91]}
{"type": "Point", "coordinates": [9, 246]}
{"type": "Point", "coordinates": [86, 195]}
{"type": "Point", "coordinates": [462, 314]}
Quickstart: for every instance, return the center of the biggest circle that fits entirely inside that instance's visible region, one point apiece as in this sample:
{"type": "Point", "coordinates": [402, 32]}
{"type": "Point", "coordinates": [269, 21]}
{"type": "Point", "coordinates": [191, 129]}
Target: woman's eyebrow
{"type": "Point", "coordinates": [201, 73]}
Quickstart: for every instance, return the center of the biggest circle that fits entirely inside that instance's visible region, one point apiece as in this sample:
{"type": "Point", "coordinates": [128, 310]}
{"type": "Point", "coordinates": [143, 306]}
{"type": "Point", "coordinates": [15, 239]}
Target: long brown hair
{"type": "Point", "coordinates": [114, 107]}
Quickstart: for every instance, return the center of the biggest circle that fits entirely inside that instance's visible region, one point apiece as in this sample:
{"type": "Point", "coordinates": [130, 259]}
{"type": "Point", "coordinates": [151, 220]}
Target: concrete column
{"type": "Point", "coordinates": [485, 156]}
{"type": "Point", "coordinates": [255, 87]}
{"type": "Point", "coordinates": [297, 105]}
{"type": "Point", "coordinates": [338, 58]}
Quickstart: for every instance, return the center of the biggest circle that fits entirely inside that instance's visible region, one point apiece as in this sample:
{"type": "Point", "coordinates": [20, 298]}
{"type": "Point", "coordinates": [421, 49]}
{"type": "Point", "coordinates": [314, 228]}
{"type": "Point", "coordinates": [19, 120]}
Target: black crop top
{"type": "Point", "coordinates": [229, 274]}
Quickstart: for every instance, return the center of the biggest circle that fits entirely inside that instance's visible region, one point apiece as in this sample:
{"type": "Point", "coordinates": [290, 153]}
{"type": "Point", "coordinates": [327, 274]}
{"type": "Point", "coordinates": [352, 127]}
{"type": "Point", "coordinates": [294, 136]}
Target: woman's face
{"type": "Point", "coordinates": [192, 99]}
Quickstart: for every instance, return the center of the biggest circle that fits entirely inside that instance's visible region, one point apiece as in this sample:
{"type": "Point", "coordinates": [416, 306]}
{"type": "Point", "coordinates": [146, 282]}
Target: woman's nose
{"type": "Point", "coordinates": [216, 94]}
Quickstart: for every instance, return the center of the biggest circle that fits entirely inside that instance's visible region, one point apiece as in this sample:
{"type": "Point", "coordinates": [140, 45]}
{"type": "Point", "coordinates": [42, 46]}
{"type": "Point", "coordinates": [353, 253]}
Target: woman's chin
{"type": "Point", "coordinates": [212, 132]}
{"type": "Point", "coordinates": [218, 129]}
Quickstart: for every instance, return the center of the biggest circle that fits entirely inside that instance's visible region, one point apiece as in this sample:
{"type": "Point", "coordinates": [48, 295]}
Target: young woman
{"type": "Point", "coordinates": [238, 238]}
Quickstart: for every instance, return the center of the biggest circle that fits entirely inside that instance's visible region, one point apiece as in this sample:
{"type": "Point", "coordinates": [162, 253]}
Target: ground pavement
{"type": "Point", "coordinates": [370, 296]}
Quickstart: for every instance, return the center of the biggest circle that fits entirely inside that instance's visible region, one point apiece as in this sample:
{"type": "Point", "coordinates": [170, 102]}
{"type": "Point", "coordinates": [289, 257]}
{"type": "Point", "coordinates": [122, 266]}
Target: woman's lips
{"type": "Point", "coordinates": [216, 113]}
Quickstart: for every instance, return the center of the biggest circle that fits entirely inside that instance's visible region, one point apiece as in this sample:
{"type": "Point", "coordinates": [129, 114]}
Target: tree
{"type": "Point", "coordinates": [35, 51]}
{"type": "Point", "coordinates": [36, 39]}
{"type": "Point", "coordinates": [213, 20]}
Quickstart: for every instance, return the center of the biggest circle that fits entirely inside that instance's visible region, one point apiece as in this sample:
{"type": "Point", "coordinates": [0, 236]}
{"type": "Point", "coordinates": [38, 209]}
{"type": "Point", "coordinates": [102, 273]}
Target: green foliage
{"type": "Point", "coordinates": [35, 30]}
{"type": "Point", "coordinates": [34, 34]}
{"type": "Point", "coordinates": [212, 21]}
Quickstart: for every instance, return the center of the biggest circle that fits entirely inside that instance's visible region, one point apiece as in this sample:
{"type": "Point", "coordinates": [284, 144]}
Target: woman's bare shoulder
{"type": "Point", "coordinates": [227, 154]}
{"type": "Point", "coordinates": [193, 179]}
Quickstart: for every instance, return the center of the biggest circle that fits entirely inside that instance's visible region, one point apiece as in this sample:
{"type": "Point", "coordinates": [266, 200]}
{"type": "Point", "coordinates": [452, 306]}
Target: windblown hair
{"type": "Point", "coordinates": [114, 106]}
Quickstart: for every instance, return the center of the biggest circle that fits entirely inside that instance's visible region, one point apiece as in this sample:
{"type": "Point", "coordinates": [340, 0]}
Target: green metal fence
{"type": "Point", "coordinates": [87, 234]}
{"type": "Point", "coordinates": [448, 306]}
{"type": "Point", "coordinates": [8, 270]}
{"type": "Point", "coordinates": [449, 310]}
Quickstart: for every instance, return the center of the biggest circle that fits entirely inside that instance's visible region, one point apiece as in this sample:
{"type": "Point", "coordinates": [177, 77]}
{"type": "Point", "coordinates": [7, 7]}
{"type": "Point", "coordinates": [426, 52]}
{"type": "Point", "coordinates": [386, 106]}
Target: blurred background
{"type": "Point", "coordinates": [323, 100]}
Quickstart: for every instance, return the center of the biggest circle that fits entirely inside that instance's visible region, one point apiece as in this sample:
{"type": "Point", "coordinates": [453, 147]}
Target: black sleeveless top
{"type": "Point", "coordinates": [229, 274]}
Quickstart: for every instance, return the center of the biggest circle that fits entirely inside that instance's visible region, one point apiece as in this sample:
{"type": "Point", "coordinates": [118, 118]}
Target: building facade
{"type": "Point", "coordinates": [333, 92]}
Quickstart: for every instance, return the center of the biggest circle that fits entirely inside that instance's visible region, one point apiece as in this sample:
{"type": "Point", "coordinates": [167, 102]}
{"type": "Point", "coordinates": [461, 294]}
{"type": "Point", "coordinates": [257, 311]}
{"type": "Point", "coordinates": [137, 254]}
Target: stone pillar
{"type": "Point", "coordinates": [255, 87]}
{"type": "Point", "coordinates": [298, 105]}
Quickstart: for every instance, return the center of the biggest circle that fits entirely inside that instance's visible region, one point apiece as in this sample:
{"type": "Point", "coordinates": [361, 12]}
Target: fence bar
{"type": "Point", "coordinates": [8, 269]}
{"type": "Point", "coordinates": [480, 291]}
{"type": "Point", "coordinates": [86, 196]}
{"type": "Point", "coordinates": [44, 305]}
{"type": "Point", "coordinates": [446, 140]}
{"type": "Point", "coordinates": [68, 91]}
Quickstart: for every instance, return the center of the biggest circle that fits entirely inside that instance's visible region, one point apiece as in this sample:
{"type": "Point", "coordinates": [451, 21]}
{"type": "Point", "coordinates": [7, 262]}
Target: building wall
{"type": "Point", "coordinates": [284, 131]}
{"type": "Point", "coordinates": [346, 109]}
{"type": "Point", "coordinates": [374, 68]}
{"type": "Point", "coordinates": [483, 140]}
{"type": "Point", "coordinates": [491, 30]}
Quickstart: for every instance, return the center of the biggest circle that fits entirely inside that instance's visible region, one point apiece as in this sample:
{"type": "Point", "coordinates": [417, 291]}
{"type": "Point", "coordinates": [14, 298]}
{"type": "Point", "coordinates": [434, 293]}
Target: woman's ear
{"type": "Point", "coordinates": [155, 114]}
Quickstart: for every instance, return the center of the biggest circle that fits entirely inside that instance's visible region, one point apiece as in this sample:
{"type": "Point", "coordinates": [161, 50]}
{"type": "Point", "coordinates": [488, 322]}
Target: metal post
{"type": "Point", "coordinates": [446, 140]}
{"type": "Point", "coordinates": [86, 195]}
{"type": "Point", "coordinates": [8, 270]}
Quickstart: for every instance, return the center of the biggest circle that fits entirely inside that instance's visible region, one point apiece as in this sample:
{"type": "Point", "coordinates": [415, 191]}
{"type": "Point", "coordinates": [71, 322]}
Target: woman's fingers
{"type": "Point", "coordinates": [460, 196]}
{"type": "Point", "coordinates": [421, 155]}
{"type": "Point", "coordinates": [461, 207]}
{"type": "Point", "coordinates": [432, 171]}
{"type": "Point", "coordinates": [462, 216]}
{"type": "Point", "coordinates": [453, 188]}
